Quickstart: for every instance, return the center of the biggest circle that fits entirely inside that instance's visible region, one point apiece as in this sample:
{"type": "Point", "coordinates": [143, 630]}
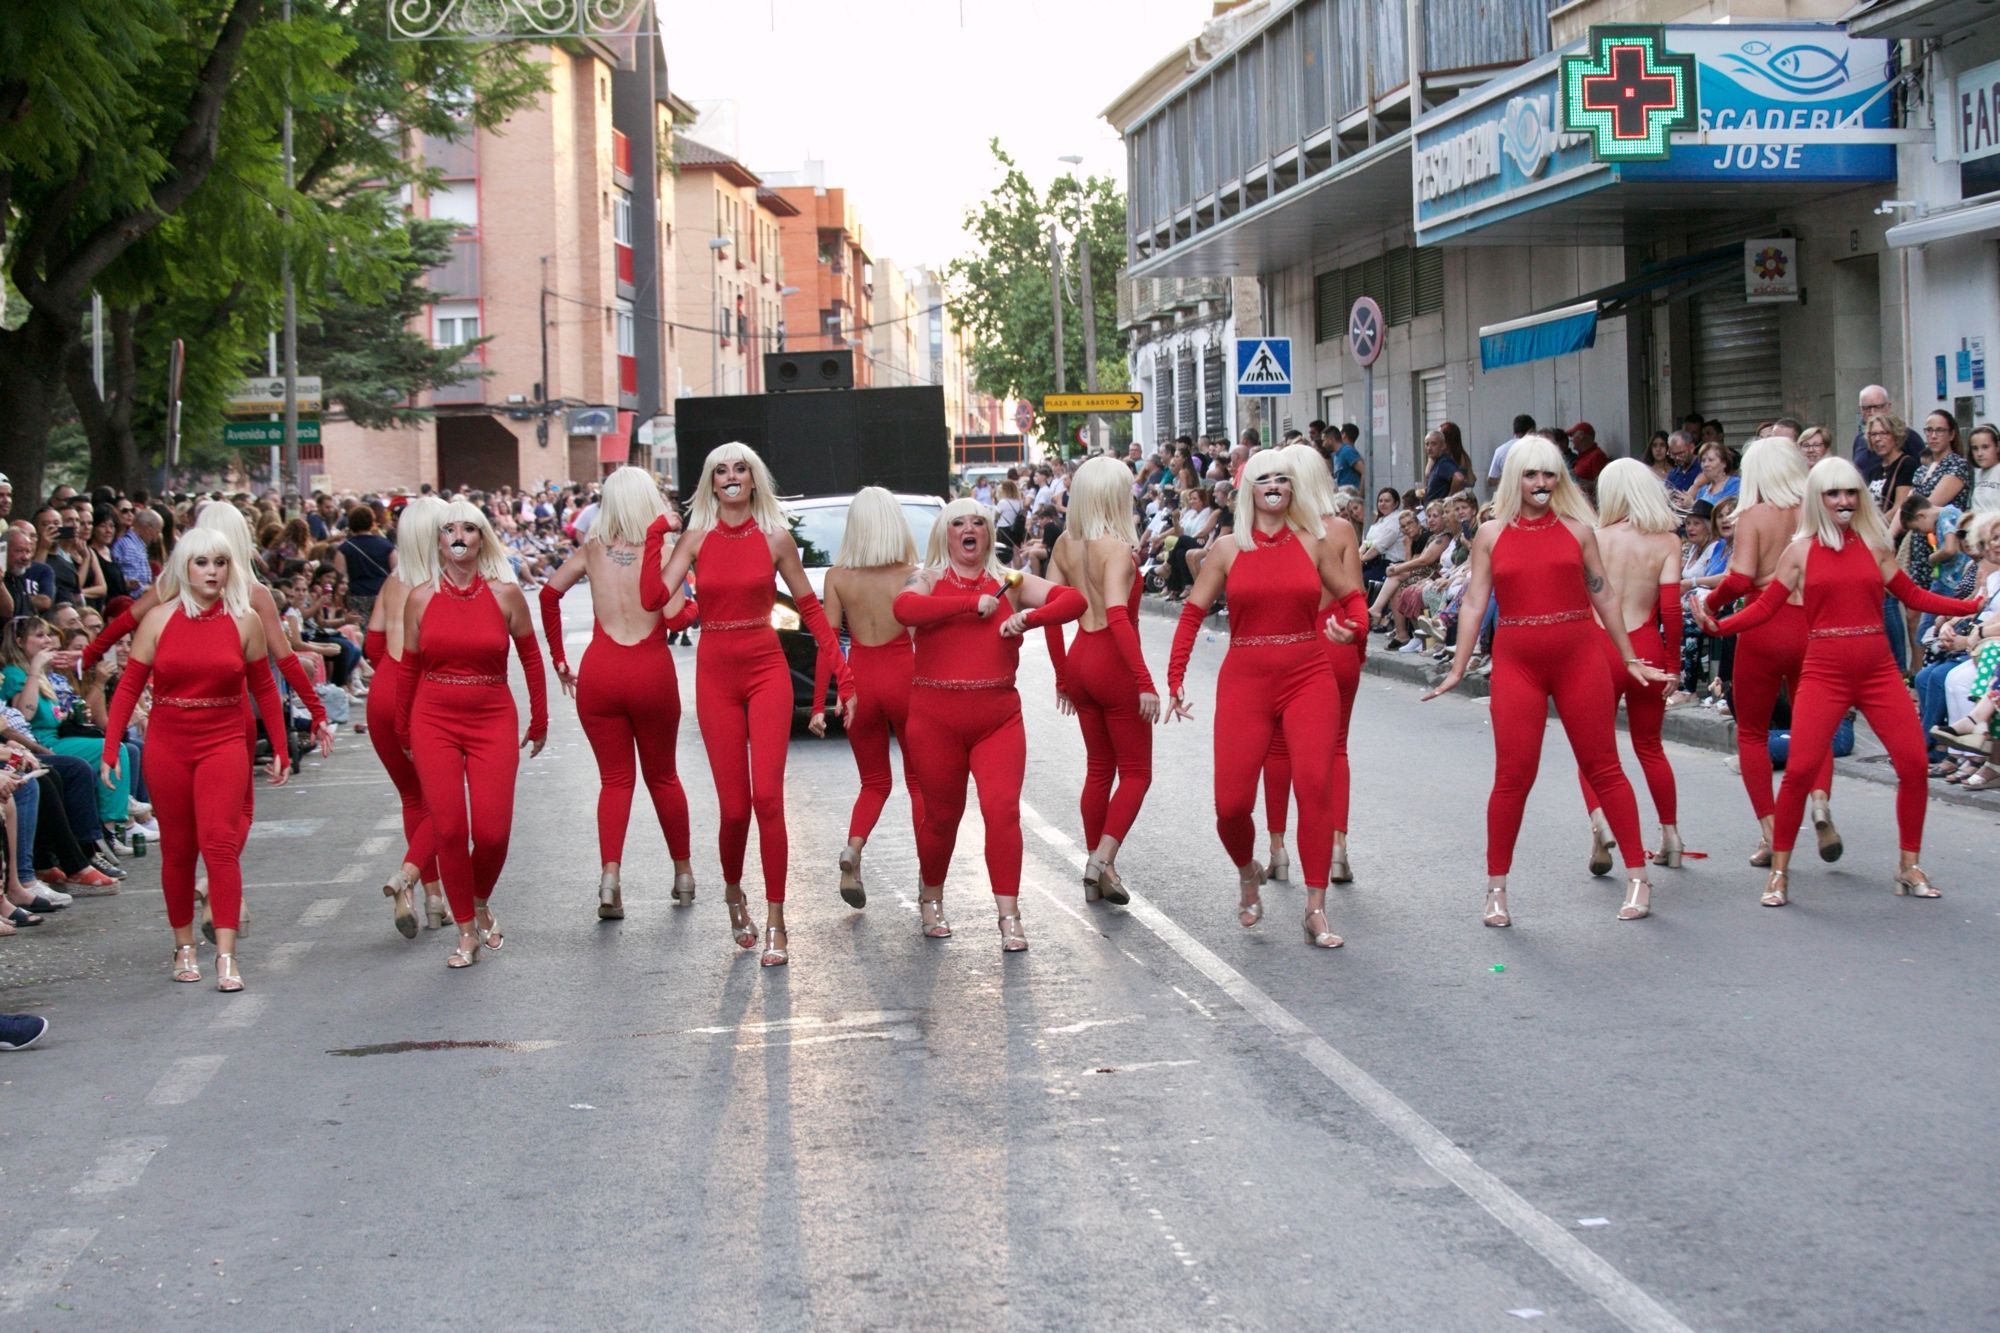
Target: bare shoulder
{"type": "Point", "coordinates": [510, 597]}
{"type": "Point", "coordinates": [261, 600]}
{"type": "Point", "coordinates": [1489, 532]}
{"type": "Point", "coordinates": [156, 619]}
{"type": "Point", "coordinates": [418, 599]}
{"type": "Point", "coordinates": [920, 580]}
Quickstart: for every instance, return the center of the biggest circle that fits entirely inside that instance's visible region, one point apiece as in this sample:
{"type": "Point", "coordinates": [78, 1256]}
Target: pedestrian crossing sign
{"type": "Point", "coordinates": [1263, 367]}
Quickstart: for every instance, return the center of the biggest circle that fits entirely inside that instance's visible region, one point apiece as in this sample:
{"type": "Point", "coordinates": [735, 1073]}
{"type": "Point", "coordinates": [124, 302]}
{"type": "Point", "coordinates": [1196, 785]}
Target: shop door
{"type": "Point", "coordinates": [1736, 363]}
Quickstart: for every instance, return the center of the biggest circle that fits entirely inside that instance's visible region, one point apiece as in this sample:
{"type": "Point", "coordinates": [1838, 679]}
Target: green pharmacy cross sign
{"type": "Point", "coordinates": [1628, 93]}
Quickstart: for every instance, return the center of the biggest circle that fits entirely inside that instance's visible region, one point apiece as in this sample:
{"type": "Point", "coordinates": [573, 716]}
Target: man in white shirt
{"type": "Point", "coordinates": [1523, 425]}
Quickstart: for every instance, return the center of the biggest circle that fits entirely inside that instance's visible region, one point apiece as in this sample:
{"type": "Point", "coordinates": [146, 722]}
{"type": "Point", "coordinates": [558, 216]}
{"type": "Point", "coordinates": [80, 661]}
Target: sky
{"type": "Point", "coordinates": [899, 97]}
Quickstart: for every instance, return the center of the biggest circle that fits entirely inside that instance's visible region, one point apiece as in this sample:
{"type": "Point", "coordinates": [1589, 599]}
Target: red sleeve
{"type": "Point", "coordinates": [406, 692]}
{"type": "Point", "coordinates": [375, 647]}
{"type": "Point", "coordinates": [1905, 590]}
{"type": "Point", "coordinates": [264, 689]}
{"type": "Point", "coordinates": [552, 630]}
{"type": "Point", "coordinates": [1734, 584]}
{"type": "Point", "coordinates": [1059, 652]}
{"type": "Point", "coordinates": [814, 617]}
{"type": "Point", "coordinates": [130, 686]}
{"type": "Point", "coordinates": [295, 676]}
{"type": "Point", "coordinates": [822, 677]}
{"type": "Point", "coordinates": [1125, 638]}
{"type": "Point", "coordinates": [530, 654]}
{"type": "Point", "coordinates": [1668, 607]}
{"type": "Point", "coordinates": [121, 625]}
{"type": "Point", "coordinates": [1759, 611]}
{"type": "Point", "coordinates": [1354, 611]}
{"type": "Point", "coordinates": [653, 590]}
{"type": "Point", "coordinates": [1192, 614]}
{"type": "Point", "coordinates": [689, 614]}
{"type": "Point", "coordinates": [1062, 606]}
{"type": "Point", "coordinates": [919, 608]}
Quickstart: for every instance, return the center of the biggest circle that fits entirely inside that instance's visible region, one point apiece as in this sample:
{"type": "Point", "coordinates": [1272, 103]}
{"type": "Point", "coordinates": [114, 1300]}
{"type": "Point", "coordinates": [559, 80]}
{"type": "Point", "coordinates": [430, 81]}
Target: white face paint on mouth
{"type": "Point", "coordinates": [460, 548]}
{"type": "Point", "coordinates": [1843, 516]}
{"type": "Point", "coordinates": [734, 490]}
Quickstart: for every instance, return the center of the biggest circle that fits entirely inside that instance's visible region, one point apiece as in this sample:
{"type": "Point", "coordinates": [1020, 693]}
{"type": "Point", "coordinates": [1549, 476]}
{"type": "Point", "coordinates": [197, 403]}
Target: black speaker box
{"type": "Point", "coordinates": [808, 370]}
{"type": "Point", "coordinates": [825, 443]}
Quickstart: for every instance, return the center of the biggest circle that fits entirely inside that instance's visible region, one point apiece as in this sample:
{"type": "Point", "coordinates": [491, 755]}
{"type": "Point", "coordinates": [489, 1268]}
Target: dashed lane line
{"type": "Point", "coordinates": [242, 1011]}
{"type": "Point", "coordinates": [284, 957]}
{"type": "Point", "coordinates": [184, 1080]}
{"type": "Point", "coordinates": [119, 1166]}
{"type": "Point", "coordinates": [322, 911]}
{"type": "Point", "coordinates": [41, 1263]}
{"type": "Point", "coordinates": [1584, 1267]}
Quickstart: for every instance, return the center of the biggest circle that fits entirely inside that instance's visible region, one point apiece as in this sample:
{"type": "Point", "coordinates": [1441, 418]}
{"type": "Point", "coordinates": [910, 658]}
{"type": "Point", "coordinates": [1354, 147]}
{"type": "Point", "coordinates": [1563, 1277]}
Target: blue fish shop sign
{"type": "Point", "coordinates": [1500, 151]}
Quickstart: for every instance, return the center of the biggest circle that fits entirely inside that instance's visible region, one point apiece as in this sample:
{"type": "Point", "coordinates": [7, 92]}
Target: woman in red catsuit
{"type": "Point", "coordinates": [1316, 492]}
{"type": "Point", "coordinates": [627, 695]}
{"type": "Point", "coordinates": [965, 715]}
{"type": "Point", "coordinates": [413, 564]}
{"type": "Point", "coordinates": [1839, 563]}
{"type": "Point", "coordinates": [737, 539]}
{"type": "Point", "coordinates": [454, 704]}
{"type": "Point", "coordinates": [1102, 677]}
{"type": "Point", "coordinates": [1277, 569]}
{"type": "Point", "coordinates": [1539, 555]}
{"type": "Point", "coordinates": [202, 647]}
{"type": "Point", "coordinates": [876, 558]}
{"type": "Point", "coordinates": [1639, 544]}
{"type": "Point", "coordinates": [1774, 653]}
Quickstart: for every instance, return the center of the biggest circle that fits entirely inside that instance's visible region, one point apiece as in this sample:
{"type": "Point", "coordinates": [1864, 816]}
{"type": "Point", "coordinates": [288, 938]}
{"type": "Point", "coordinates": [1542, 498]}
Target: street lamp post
{"type": "Point", "coordinates": [1089, 303]}
{"type": "Point", "coordinates": [716, 245]}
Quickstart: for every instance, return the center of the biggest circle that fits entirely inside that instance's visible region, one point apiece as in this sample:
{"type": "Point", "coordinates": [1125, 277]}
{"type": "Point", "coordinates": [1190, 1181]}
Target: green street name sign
{"type": "Point", "coordinates": [251, 433]}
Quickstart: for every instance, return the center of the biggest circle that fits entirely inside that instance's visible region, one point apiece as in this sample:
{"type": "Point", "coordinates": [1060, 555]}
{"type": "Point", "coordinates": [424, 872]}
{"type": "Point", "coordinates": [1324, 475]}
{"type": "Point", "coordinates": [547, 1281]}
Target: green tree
{"type": "Point", "coordinates": [1000, 293]}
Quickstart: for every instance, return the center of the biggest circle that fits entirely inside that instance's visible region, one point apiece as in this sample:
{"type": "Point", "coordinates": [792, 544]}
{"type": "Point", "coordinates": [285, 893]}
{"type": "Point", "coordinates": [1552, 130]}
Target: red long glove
{"type": "Point", "coordinates": [1734, 584]}
{"type": "Point", "coordinates": [1192, 614]}
{"type": "Point", "coordinates": [1759, 611]}
{"type": "Point", "coordinates": [1062, 606]}
{"type": "Point", "coordinates": [1125, 638]}
{"type": "Point", "coordinates": [1058, 652]}
{"type": "Point", "coordinates": [688, 615]}
{"type": "Point", "coordinates": [1668, 608]}
{"type": "Point", "coordinates": [264, 689]}
{"type": "Point", "coordinates": [1354, 610]}
{"type": "Point", "coordinates": [375, 647]}
{"type": "Point", "coordinates": [813, 616]}
{"type": "Point", "coordinates": [928, 608]}
{"type": "Point", "coordinates": [406, 692]}
{"type": "Point", "coordinates": [653, 590]}
{"type": "Point", "coordinates": [552, 630]}
{"type": "Point", "coordinates": [295, 676]}
{"type": "Point", "coordinates": [530, 654]}
{"type": "Point", "coordinates": [121, 624]}
{"type": "Point", "coordinates": [1906, 590]}
{"type": "Point", "coordinates": [130, 686]}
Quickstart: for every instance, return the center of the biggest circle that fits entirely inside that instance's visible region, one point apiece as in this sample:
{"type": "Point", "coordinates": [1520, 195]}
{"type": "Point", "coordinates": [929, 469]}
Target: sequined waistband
{"type": "Point", "coordinates": [450, 678]}
{"type": "Point", "coordinates": [996, 683]}
{"type": "Point", "coordinates": [1843, 632]}
{"type": "Point", "coordinates": [1270, 640]}
{"type": "Point", "coordinates": [181, 701]}
{"type": "Point", "coordinates": [1553, 618]}
{"type": "Point", "coordinates": [722, 626]}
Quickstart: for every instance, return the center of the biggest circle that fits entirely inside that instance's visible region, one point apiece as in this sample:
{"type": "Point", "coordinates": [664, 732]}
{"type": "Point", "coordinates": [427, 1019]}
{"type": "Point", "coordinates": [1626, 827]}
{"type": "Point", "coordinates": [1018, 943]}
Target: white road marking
{"type": "Point", "coordinates": [322, 911]}
{"type": "Point", "coordinates": [241, 1012]}
{"type": "Point", "coordinates": [184, 1080]}
{"type": "Point", "coordinates": [906, 1032]}
{"type": "Point", "coordinates": [1596, 1278]}
{"type": "Point", "coordinates": [40, 1265]}
{"type": "Point", "coordinates": [283, 957]}
{"type": "Point", "coordinates": [349, 874]}
{"type": "Point", "coordinates": [865, 1019]}
{"type": "Point", "coordinates": [119, 1166]}
{"type": "Point", "coordinates": [1134, 1068]}
{"type": "Point", "coordinates": [285, 828]}
{"type": "Point", "coordinates": [389, 823]}
{"type": "Point", "coordinates": [374, 846]}
{"type": "Point", "coordinates": [1087, 1024]}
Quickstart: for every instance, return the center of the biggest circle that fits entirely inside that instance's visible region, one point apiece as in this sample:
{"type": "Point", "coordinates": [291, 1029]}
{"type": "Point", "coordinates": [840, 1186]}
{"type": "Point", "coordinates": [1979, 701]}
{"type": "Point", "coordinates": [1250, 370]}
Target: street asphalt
{"type": "Point", "coordinates": [1722, 1117]}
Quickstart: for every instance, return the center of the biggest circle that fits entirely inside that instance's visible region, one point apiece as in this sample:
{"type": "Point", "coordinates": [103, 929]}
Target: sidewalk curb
{"type": "Point", "coordinates": [1688, 725]}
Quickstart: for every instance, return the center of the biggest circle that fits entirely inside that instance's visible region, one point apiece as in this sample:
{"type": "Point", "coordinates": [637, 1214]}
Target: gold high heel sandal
{"type": "Point", "coordinates": [683, 893]}
{"type": "Point", "coordinates": [1340, 871]}
{"type": "Point", "coordinates": [467, 952]}
{"type": "Point", "coordinates": [610, 896]}
{"type": "Point", "coordinates": [930, 911]}
{"type": "Point", "coordinates": [1761, 858]}
{"type": "Point", "coordinates": [853, 890]}
{"type": "Point", "coordinates": [1777, 889]}
{"type": "Point", "coordinates": [403, 893]}
{"type": "Point", "coordinates": [227, 979]}
{"type": "Point", "coordinates": [1321, 937]}
{"type": "Point", "coordinates": [1830, 846]}
{"type": "Point", "coordinates": [1912, 882]}
{"type": "Point", "coordinates": [1281, 865]}
{"type": "Point", "coordinates": [1672, 849]}
{"type": "Point", "coordinates": [1495, 913]}
{"type": "Point", "coordinates": [1012, 940]}
{"type": "Point", "coordinates": [740, 928]}
{"type": "Point", "coordinates": [436, 912]}
{"type": "Point", "coordinates": [1100, 881]}
{"type": "Point", "coordinates": [1600, 851]}
{"type": "Point", "coordinates": [1250, 913]}
{"type": "Point", "coordinates": [186, 967]}
{"type": "Point", "coordinates": [489, 936]}
{"type": "Point", "coordinates": [1638, 900]}
{"type": "Point", "coordinates": [775, 953]}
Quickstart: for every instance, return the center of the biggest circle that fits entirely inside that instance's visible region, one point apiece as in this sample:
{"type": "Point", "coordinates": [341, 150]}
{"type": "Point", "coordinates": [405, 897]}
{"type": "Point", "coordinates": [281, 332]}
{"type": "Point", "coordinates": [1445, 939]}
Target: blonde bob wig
{"type": "Point", "coordinates": [705, 509]}
{"type": "Point", "coordinates": [1834, 473]}
{"type": "Point", "coordinates": [1100, 501]}
{"type": "Point", "coordinates": [627, 504]}
{"type": "Point", "coordinates": [1299, 516]}
{"type": "Point", "coordinates": [1773, 472]}
{"type": "Point", "coordinates": [1312, 481]}
{"type": "Point", "coordinates": [1532, 453]}
{"type": "Point", "coordinates": [937, 552]}
{"type": "Point", "coordinates": [877, 534]}
{"type": "Point", "coordinates": [417, 541]}
{"type": "Point", "coordinates": [494, 566]}
{"type": "Point", "coordinates": [198, 541]}
{"type": "Point", "coordinates": [1627, 489]}
{"type": "Point", "coordinates": [225, 518]}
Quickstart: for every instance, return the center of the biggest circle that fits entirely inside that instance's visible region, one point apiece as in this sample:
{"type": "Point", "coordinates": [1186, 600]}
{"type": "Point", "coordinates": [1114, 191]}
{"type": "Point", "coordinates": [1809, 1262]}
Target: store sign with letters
{"type": "Point", "coordinates": [1771, 270]}
{"type": "Point", "coordinates": [1978, 119]}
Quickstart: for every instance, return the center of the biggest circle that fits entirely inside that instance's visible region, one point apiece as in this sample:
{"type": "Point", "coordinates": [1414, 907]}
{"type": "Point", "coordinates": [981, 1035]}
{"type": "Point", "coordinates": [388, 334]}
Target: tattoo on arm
{"type": "Point", "coordinates": [1593, 581]}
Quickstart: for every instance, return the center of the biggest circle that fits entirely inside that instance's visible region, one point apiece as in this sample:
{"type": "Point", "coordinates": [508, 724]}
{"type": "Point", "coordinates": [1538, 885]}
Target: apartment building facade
{"type": "Point", "coordinates": [827, 256]}
{"type": "Point", "coordinates": [731, 271]}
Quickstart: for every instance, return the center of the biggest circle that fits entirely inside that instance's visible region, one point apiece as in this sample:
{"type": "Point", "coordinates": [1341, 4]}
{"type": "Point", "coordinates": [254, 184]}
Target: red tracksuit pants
{"type": "Point", "coordinates": [743, 703]}
{"type": "Point", "coordinates": [1261, 693]}
{"type": "Point", "coordinates": [1117, 741]}
{"type": "Point", "coordinates": [1771, 655]}
{"type": "Point", "coordinates": [1840, 673]}
{"type": "Point", "coordinates": [465, 740]}
{"type": "Point", "coordinates": [629, 701]}
{"type": "Point", "coordinates": [956, 734]}
{"type": "Point", "coordinates": [198, 771]}
{"type": "Point", "coordinates": [1533, 664]}
{"type": "Point", "coordinates": [882, 690]}
{"type": "Point", "coordinates": [1345, 658]}
{"type": "Point", "coordinates": [1645, 710]}
{"type": "Point", "coordinates": [420, 838]}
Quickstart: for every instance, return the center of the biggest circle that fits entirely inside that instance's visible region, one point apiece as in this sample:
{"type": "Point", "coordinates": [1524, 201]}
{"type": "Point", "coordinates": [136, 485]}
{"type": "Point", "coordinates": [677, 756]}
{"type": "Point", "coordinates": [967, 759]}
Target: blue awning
{"type": "Point", "coordinates": [1570, 328]}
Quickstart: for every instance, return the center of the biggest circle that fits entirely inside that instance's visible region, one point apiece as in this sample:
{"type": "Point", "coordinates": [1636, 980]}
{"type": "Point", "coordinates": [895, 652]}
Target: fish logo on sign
{"type": "Point", "coordinates": [1804, 69]}
{"type": "Point", "coordinates": [1264, 366]}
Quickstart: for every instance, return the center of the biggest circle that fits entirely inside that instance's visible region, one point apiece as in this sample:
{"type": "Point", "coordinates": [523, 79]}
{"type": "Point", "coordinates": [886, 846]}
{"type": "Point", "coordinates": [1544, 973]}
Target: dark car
{"type": "Point", "coordinates": [817, 524]}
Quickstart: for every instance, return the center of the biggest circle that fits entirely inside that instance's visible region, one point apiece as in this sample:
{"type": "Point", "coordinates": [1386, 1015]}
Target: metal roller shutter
{"type": "Point", "coordinates": [1736, 362]}
{"type": "Point", "coordinates": [1430, 388]}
